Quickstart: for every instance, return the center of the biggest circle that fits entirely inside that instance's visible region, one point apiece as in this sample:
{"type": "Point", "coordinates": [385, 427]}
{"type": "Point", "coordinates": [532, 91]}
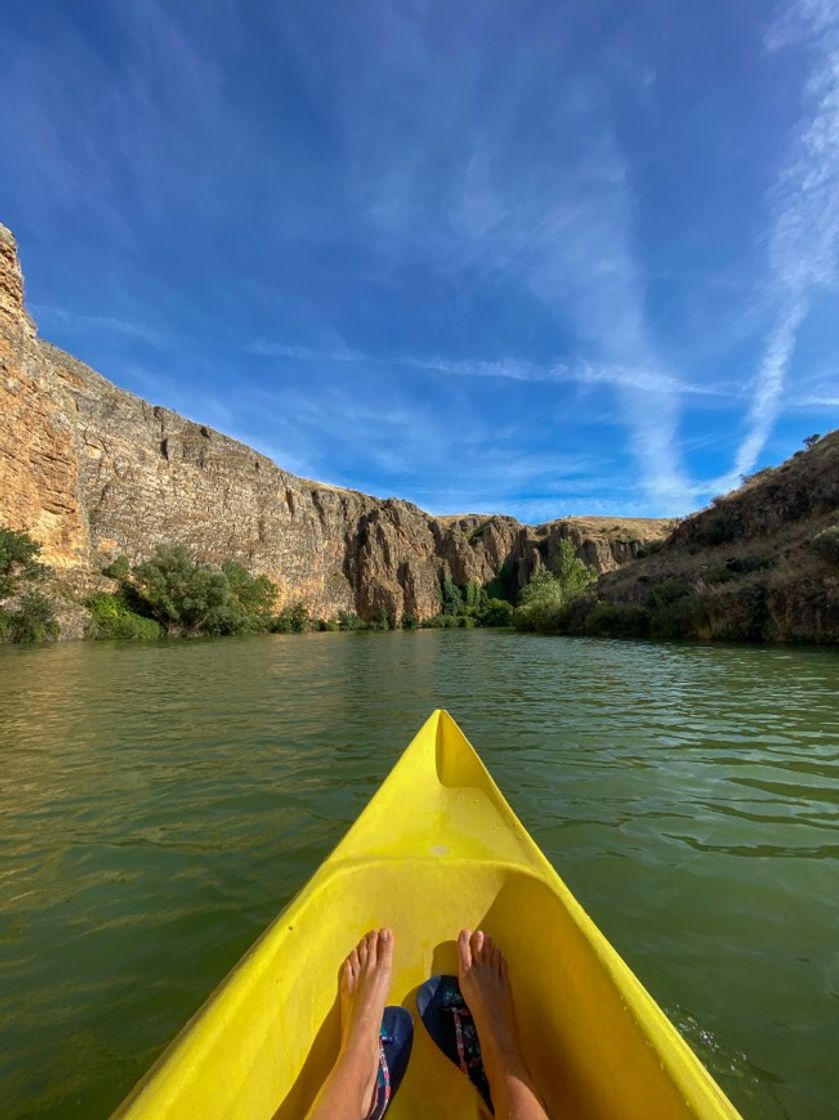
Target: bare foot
{"type": "Point", "coordinates": [482, 974]}
{"type": "Point", "coordinates": [364, 985]}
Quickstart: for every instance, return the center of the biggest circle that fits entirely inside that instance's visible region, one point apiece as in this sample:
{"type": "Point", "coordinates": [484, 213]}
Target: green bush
{"type": "Point", "coordinates": [347, 620]}
{"type": "Point", "coordinates": [442, 622]}
{"type": "Point", "coordinates": [650, 548]}
{"type": "Point", "coordinates": [32, 621]}
{"type": "Point", "coordinates": [826, 544]}
{"type": "Point", "coordinates": [717, 528]}
{"type": "Point", "coordinates": [451, 598]}
{"type": "Point", "coordinates": [326, 624]}
{"type": "Point", "coordinates": [249, 608]}
{"type": "Point", "coordinates": [409, 622]}
{"type": "Point", "coordinates": [496, 612]}
{"type": "Point", "coordinates": [18, 560]}
{"type": "Point", "coordinates": [737, 566]}
{"type": "Point", "coordinates": [544, 600]}
{"type": "Point", "coordinates": [119, 568]}
{"type": "Point", "coordinates": [181, 594]}
{"type": "Point", "coordinates": [618, 620]}
{"type": "Point", "coordinates": [293, 619]}
{"type": "Point", "coordinates": [111, 617]}
{"type": "Point", "coordinates": [503, 585]}
{"type": "Point", "coordinates": [382, 621]}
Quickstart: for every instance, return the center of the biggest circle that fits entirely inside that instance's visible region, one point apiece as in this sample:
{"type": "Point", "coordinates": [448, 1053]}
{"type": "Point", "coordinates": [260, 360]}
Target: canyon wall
{"type": "Point", "coordinates": [93, 471]}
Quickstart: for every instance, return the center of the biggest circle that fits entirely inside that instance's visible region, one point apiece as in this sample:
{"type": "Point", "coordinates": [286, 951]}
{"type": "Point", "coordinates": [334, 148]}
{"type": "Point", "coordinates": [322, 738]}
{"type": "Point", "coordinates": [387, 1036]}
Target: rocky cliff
{"type": "Point", "coordinates": [93, 471]}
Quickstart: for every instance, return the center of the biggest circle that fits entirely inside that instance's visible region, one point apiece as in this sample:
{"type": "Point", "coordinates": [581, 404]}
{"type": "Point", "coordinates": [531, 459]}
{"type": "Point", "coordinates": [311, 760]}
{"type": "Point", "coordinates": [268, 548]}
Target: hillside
{"type": "Point", "coordinates": [93, 471]}
{"type": "Point", "coordinates": [749, 560]}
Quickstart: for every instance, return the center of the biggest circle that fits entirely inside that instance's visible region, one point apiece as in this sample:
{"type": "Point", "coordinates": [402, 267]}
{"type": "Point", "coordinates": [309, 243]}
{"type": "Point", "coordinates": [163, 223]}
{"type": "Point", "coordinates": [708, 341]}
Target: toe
{"type": "Point", "coordinates": [385, 946]}
{"type": "Point", "coordinates": [478, 945]}
{"type": "Point", "coordinates": [361, 951]}
{"type": "Point", "coordinates": [464, 950]}
{"type": "Point", "coordinates": [372, 940]}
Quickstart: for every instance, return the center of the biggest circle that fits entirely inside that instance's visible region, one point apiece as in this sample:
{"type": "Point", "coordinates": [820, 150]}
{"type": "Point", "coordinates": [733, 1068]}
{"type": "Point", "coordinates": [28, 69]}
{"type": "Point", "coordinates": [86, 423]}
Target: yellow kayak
{"type": "Point", "coordinates": [437, 849]}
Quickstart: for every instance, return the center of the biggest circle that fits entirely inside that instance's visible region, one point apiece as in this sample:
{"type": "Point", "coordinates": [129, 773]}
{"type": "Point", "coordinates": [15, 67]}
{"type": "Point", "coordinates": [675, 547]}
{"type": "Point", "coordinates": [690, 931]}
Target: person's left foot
{"type": "Point", "coordinates": [364, 985]}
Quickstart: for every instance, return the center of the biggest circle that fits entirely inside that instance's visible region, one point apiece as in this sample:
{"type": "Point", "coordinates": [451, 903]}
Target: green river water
{"type": "Point", "coordinates": [160, 802]}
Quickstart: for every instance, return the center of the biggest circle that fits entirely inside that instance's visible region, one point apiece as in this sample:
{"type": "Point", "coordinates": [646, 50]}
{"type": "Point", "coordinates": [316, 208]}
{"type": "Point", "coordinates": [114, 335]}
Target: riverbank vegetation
{"type": "Point", "coordinates": [170, 594]}
{"type": "Point", "coordinates": [26, 615]}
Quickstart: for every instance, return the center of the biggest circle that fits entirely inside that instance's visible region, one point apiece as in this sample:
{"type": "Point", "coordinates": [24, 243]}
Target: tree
{"type": "Point", "coordinates": [451, 597]}
{"type": "Point", "coordinates": [33, 621]}
{"type": "Point", "coordinates": [545, 598]}
{"type": "Point", "coordinates": [573, 574]}
{"type": "Point", "coordinates": [496, 612]}
{"type": "Point", "coordinates": [180, 593]}
{"type": "Point", "coordinates": [18, 563]}
{"type": "Point", "coordinates": [251, 599]}
{"type": "Point", "coordinates": [811, 441]}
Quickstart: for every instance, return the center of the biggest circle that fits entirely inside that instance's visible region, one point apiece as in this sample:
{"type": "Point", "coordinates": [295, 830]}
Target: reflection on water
{"type": "Point", "coordinates": [160, 802]}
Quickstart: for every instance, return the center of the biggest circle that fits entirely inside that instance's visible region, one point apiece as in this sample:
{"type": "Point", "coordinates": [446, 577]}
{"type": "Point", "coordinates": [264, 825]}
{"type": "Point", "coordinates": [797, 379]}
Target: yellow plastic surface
{"type": "Point", "coordinates": [437, 848]}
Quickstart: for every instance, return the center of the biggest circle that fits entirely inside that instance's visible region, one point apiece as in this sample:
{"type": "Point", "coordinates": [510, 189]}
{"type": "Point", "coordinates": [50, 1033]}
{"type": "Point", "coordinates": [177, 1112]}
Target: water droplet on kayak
{"type": "Point", "coordinates": [439, 849]}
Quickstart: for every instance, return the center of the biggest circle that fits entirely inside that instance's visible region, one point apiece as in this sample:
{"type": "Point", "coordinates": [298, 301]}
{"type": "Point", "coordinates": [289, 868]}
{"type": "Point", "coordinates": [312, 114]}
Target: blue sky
{"type": "Point", "coordinates": [542, 258]}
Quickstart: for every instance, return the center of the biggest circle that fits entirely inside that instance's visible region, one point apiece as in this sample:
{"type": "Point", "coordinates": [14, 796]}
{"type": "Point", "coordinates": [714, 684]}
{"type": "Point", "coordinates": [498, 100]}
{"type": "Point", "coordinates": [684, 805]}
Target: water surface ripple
{"type": "Point", "coordinates": [160, 802]}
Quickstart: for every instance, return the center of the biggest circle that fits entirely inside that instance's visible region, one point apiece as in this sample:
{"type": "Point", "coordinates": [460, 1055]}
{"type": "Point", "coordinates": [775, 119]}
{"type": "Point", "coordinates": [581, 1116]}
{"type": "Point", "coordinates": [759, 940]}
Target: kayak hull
{"type": "Point", "coordinates": [437, 849]}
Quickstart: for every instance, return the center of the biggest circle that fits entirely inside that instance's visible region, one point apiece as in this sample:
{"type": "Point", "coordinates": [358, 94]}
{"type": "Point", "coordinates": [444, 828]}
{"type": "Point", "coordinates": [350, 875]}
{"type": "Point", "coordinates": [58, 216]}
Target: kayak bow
{"type": "Point", "coordinates": [438, 848]}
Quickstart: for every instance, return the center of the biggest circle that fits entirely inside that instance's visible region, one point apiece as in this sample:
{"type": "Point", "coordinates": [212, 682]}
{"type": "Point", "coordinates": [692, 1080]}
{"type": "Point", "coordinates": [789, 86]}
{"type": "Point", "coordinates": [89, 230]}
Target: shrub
{"type": "Point", "coordinates": [811, 441]}
{"type": "Point", "coordinates": [613, 620]}
{"type": "Point", "coordinates": [111, 617]}
{"type": "Point", "coordinates": [32, 621]}
{"type": "Point", "coordinates": [545, 598]}
{"type": "Point", "coordinates": [451, 597]}
{"type": "Point", "coordinates": [326, 624]}
{"type": "Point", "coordinates": [573, 574]}
{"type": "Point", "coordinates": [118, 568]}
{"type": "Point", "coordinates": [496, 612]}
{"type": "Point", "coordinates": [738, 566]}
{"type": "Point", "coordinates": [717, 528]}
{"type": "Point", "coordinates": [409, 622]}
{"type": "Point", "coordinates": [180, 593]}
{"type": "Point", "coordinates": [503, 584]}
{"type": "Point", "coordinates": [293, 619]}
{"type": "Point", "coordinates": [826, 544]}
{"type": "Point", "coordinates": [347, 620]}
{"type": "Point", "coordinates": [18, 560]}
{"type": "Point", "coordinates": [250, 602]}
{"type": "Point", "coordinates": [650, 548]}
{"type": "Point", "coordinates": [442, 622]}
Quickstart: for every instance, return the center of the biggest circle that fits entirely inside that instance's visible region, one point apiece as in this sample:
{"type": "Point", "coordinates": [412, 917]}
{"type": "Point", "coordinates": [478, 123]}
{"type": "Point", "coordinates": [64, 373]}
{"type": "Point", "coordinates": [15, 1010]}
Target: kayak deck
{"type": "Point", "coordinates": [437, 849]}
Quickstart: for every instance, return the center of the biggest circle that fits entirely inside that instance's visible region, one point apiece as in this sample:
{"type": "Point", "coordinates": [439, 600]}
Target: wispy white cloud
{"type": "Point", "coordinates": [582, 372]}
{"type": "Point", "coordinates": [803, 237]}
{"type": "Point", "coordinates": [75, 321]}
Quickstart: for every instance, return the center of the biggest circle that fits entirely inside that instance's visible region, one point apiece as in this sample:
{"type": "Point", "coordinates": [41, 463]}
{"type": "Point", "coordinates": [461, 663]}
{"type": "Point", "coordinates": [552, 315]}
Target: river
{"type": "Point", "coordinates": [160, 802]}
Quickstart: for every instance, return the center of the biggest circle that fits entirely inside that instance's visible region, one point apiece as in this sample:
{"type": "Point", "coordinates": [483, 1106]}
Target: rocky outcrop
{"type": "Point", "coordinates": [93, 471]}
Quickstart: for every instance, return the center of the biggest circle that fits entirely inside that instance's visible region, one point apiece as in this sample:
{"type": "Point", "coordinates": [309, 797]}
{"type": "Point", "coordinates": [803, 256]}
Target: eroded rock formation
{"type": "Point", "coordinates": [93, 471]}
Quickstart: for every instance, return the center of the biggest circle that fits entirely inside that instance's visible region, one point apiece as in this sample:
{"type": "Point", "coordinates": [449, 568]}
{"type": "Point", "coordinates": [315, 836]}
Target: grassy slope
{"type": "Point", "coordinates": [770, 520]}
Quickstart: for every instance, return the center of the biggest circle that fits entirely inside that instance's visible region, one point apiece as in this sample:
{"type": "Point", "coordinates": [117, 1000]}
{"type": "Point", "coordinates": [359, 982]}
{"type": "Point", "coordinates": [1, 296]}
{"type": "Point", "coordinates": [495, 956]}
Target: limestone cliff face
{"type": "Point", "coordinates": [93, 471]}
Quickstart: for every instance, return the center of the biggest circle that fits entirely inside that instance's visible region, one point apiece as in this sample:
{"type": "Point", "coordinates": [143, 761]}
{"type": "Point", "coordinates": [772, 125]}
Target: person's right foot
{"type": "Point", "coordinates": [482, 975]}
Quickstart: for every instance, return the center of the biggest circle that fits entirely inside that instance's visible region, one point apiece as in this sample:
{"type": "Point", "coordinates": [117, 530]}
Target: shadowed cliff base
{"type": "Point", "coordinates": [93, 472]}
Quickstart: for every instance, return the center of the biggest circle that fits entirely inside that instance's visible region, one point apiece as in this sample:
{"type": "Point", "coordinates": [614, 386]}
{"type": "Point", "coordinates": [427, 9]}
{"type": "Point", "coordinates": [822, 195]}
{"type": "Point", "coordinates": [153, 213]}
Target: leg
{"type": "Point", "coordinates": [482, 974]}
{"type": "Point", "coordinates": [347, 1093]}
